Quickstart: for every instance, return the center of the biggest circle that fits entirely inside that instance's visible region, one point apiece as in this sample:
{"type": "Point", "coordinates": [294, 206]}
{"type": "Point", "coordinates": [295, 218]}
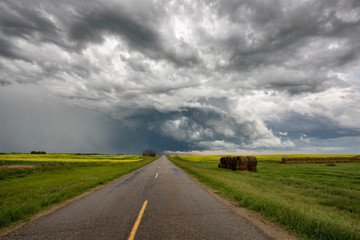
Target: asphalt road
{"type": "Point", "coordinates": [176, 208]}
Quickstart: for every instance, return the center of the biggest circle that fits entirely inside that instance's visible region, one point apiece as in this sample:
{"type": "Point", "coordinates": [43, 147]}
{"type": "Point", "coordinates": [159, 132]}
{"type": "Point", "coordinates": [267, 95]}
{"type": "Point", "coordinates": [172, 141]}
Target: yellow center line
{"type": "Point", "coordinates": [156, 175]}
{"type": "Point", "coordinates": [138, 220]}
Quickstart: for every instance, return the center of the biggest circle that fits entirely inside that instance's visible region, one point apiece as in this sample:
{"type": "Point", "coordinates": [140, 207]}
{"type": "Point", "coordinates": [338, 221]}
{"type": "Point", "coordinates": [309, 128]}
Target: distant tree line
{"type": "Point", "coordinates": [38, 152]}
{"type": "Point", "coordinates": [149, 152]}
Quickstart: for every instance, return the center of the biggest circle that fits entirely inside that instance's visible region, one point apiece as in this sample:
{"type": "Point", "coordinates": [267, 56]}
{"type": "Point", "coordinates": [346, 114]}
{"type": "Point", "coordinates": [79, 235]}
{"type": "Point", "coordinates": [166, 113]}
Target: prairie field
{"type": "Point", "coordinates": [30, 183]}
{"type": "Point", "coordinates": [48, 159]}
{"type": "Point", "coordinates": [317, 201]}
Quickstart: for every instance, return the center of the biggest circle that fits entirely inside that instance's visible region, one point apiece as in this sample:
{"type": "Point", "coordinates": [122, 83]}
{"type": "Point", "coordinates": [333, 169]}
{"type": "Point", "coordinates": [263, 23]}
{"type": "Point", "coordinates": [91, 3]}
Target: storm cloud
{"type": "Point", "coordinates": [184, 76]}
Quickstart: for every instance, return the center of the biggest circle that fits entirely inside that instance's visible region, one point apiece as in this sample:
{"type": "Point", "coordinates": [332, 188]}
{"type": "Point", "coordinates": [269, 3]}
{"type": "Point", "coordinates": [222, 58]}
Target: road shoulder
{"type": "Point", "coordinates": [271, 229]}
{"type": "Point", "coordinates": [7, 231]}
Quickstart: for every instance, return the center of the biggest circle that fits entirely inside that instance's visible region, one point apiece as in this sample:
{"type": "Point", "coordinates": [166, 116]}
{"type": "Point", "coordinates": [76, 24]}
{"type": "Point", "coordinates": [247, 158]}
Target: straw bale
{"type": "Point", "coordinates": [252, 161]}
{"type": "Point", "coordinates": [242, 167]}
{"type": "Point", "coordinates": [244, 160]}
{"type": "Point", "coordinates": [238, 160]}
{"type": "Point", "coordinates": [238, 163]}
{"type": "Point", "coordinates": [320, 159]}
{"type": "Point", "coordinates": [228, 162]}
{"type": "Point", "coordinates": [233, 163]}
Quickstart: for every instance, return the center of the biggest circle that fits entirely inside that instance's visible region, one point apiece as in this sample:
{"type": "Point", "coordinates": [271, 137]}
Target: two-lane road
{"type": "Point", "coordinates": [176, 208]}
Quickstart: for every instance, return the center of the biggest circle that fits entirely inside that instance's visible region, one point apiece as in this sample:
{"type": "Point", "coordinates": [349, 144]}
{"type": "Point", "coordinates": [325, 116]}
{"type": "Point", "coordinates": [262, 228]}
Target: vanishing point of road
{"type": "Point", "coordinates": [158, 201]}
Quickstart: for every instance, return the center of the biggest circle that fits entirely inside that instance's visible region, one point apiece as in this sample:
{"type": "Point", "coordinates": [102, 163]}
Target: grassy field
{"type": "Point", "coordinates": [30, 183]}
{"type": "Point", "coordinates": [318, 201]}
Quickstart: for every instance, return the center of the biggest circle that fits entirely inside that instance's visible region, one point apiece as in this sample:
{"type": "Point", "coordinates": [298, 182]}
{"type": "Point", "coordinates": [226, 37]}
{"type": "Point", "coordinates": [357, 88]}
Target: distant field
{"type": "Point", "coordinates": [65, 158]}
{"type": "Point", "coordinates": [318, 201]}
{"type": "Point", "coordinates": [259, 157]}
{"type": "Point", "coordinates": [30, 183]}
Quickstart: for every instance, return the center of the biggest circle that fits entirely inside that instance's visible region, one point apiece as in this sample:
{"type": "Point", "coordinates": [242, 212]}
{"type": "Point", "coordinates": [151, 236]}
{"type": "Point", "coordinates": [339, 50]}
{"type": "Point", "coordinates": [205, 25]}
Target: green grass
{"type": "Point", "coordinates": [37, 182]}
{"type": "Point", "coordinates": [317, 201]}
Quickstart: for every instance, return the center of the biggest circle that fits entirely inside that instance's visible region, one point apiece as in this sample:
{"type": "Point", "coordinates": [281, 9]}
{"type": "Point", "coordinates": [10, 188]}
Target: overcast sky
{"type": "Point", "coordinates": [218, 76]}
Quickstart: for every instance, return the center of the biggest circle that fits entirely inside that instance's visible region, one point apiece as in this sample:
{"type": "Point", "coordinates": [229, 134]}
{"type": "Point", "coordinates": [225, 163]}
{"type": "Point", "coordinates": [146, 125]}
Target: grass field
{"type": "Point", "coordinates": [317, 201]}
{"type": "Point", "coordinates": [30, 183]}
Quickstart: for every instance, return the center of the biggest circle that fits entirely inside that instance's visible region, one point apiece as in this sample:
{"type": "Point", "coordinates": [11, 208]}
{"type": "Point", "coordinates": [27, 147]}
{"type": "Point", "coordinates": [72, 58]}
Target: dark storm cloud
{"type": "Point", "coordinates": [316, 126]}
{"type": "Point", "coordinates": [139, 31]}
{"type": "Point", "coordinates": [4, 82]}
{"type": "Point", "coordinates": [201, 75]}
{"type": "Point", "coordinates": [6, 49]}
{"type": "Point", "coordinates": [276, 31]}
{"type": "Point", "coordinates": [29, 21]}
{"type": "Point", "coordinates": [25, 21]}
{"type": "Point", "coordinates": [90, 26]}
{"type": "Point", "coordinates": [88, 23]}
{"type": "Point", "coordinates": [198, 128]}
{"type": "Point", "coordinates": [286, 23]}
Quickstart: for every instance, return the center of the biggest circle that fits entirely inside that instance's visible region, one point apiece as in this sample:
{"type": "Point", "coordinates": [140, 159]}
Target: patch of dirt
{"type": "Point", "coordinates": [17, 167]}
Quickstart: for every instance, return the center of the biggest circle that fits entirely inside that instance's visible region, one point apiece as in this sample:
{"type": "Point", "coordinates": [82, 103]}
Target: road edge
{"type": "Point", "coordinates": [271, 229]}
{"type": "Point", "coordinates": [56, 207]}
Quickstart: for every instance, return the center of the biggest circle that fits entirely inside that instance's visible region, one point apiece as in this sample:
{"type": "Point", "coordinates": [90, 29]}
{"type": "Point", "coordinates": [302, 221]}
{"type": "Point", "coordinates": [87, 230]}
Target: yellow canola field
{"type": "Point", "coordinates": [70, 158]}
{"type": "Point", "coordinates": [216, 158]}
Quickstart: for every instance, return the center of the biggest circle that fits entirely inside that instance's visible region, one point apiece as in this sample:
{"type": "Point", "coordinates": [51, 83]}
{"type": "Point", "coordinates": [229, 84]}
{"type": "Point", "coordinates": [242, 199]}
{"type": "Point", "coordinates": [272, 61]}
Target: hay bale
{"type": "Point", "coordinates": [321, 159]}
{"type": "Point", "coordinates": [252, 161]}
{"type": "Point", "coordinates": [238, 163]}
{"type": "Point", "coordinates": [228, 162]}
{"type": "Point", "coordinates": [242, 167]}
{"type": "Point", "coordinates": [244, 160]}
{"type": "Point", "coordinates": [233, 163]}
{"type": "Point", "coordinates": [224, 160]}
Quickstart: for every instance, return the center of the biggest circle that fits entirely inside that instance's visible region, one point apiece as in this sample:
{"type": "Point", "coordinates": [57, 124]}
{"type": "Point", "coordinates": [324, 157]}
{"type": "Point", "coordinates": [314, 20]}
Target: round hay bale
{"type": "Point", "coordinates": [228, 162]}
{"type": "Point", "coordinates": [233, 163]}
{"type": "Point", "coordinates": [252, 161]}
{"type": "Point", "coordinates": [237, 160]}
{"type": "Point", "coordinates": [244, 160]}
{"type": "Point", "coordinates": [242, 167]}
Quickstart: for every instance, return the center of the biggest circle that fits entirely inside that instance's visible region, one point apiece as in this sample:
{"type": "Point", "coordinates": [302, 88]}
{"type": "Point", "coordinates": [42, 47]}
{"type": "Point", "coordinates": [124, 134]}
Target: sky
{"type": "Point", "coordinates": [185, 77]}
